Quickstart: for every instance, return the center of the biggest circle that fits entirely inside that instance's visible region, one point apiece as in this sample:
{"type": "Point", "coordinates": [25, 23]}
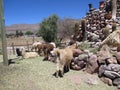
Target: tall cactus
{"type": "Point", "coordinates": [114, 9]}
{"type": "Point", "coordinates": [76, 28]}
{"type": "Point", "coordinates": [113, 27]}
{"type": "Point", "coordinates": [83, 28]}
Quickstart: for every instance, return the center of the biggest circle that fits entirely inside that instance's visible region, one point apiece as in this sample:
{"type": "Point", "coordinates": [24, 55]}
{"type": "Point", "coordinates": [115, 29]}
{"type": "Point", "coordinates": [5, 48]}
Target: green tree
{"type": "Point", "coordinates": [28, 33]}
{"type": "Point", "coordinates": [48, 28]}
{"type": "Point", "coordinates": [17, 33]}
{"type": "Point", "coordinates": [21, 33]}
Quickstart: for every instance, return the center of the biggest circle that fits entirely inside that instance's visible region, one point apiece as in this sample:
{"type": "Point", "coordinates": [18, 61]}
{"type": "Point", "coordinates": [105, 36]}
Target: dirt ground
{"type": "Point", "coordinates": [36, 74]}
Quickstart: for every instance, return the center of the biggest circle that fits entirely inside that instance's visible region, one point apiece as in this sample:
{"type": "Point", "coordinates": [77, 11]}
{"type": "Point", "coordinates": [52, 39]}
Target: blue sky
{"type": "Point", "coordinates": [34, 11]}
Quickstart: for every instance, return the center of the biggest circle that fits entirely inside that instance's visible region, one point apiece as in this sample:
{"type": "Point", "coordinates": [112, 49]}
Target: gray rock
{"type": "Point", "coordinates": [111, 74]}
{"type": "Point", "coordinates": [101, 70]}
{"type": "Point", "coordinates": [116, 68]}
{"type": "Point", "coordinates": [116, 82]}
{"type": "Point", "coordinates": [83, 57]}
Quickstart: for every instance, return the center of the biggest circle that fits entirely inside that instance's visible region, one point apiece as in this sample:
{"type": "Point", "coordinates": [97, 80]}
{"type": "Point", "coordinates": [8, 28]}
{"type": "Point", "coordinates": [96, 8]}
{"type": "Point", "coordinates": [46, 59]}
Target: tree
{"type": "Point", "coordinates": [66, 27]}
{"type": "Point", "coordinates": [48, 28]}
{"type": "Point", "coordinates": [28, 33]}
{"type": "Point", "coordinates": [17, 33]}
{"type": "Point", "coordinates": [21, 33]}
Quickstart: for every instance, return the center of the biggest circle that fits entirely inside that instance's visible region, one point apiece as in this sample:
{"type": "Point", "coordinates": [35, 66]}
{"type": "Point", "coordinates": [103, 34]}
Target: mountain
{"type": "Point", "coordinates": [22, 27]}
{"type": "Point", "coordinates": [63, 25]}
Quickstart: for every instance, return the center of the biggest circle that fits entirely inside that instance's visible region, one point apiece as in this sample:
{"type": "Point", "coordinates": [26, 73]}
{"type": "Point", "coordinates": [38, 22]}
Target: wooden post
{"type": "Point", "coordinates": [33, 39]}
{"type": "Point", "coordinates": [3, 35]}
{"type": "Point", "coordinates": [27, 45]}
{"type": "Point", "coordinates": [13, 48]}
{"type": "Point", "coordinates": [114, 9]}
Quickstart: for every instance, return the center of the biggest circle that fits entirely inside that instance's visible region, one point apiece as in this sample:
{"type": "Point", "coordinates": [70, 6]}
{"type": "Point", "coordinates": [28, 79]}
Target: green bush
{"type": "Point", "coordinates": [106, 32]}
{"type": "Point", "coordinates": [28, 33]}
{"type": "Point", "coordinates": [48, 28]}
{"type": "Point", "coordinates": [84, 46]}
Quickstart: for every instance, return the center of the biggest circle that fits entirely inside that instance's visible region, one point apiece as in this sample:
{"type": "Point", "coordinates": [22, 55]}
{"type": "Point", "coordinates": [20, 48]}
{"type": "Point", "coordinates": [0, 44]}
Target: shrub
{"type": "Point", "coordinates": [48, 28]}
{"type": "Point", "coordinates": [106, 32]}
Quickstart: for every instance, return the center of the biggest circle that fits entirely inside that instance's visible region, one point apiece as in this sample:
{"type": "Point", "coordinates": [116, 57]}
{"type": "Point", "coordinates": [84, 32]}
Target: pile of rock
{"type": "Point", "coordinates": [97, 19]}
{"type": "Point", "coordinates": [105, 63]}
{"type": "Point", "coordinates": [110, 72]}
{"type": "Point", "coordinates": [86, 61]}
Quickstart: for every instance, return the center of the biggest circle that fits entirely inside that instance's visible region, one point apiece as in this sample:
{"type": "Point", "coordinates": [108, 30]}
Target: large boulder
{"type": "Point", "coordinates": [104, 54]}
{"type": "Point", "coordinates": [92, 65]}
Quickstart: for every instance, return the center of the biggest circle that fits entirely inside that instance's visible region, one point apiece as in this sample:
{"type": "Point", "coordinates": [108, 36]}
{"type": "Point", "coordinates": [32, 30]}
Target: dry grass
{"type": "Point", "coordinates": [35, 74]}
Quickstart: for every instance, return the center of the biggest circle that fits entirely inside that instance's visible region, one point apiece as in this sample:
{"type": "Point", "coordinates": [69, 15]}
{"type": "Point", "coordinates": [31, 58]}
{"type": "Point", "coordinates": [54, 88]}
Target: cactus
{"type": "Point", "coordinates": [76, 28]}
{"type": "Point", "coordinates": [83, 28]}
{"type": "Point", "coordinates": [90, 6]}
{"type": "Point", "coordinates": [113, 27]}
{"type": "Point", "coordinates": [105, 32]}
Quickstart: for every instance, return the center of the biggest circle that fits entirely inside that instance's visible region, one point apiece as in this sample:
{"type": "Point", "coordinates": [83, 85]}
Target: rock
{"type": "Point", "coordinates": [77, 52]}
{"type": "Point", "coordinates": [107, 81]}
{"type": "Point", "coordinates": [102, 69]}
{"type": "Point", "coordinates": [104, 54]}
{"type": "Point", "coordinates": [118, 86]}
{"type": "Point", "coordinates": [118, 57]}
{"type": "Point", "coordinates": [92, 65]}
{"type": "Point", "coordinates": [92, 82]}
{"type": "Point", "coordinates": [83, 57]}
{"type": "Point", "coordinates": [115, 67]}
{"type": "Point", "coordinates": [81, 64]}
{"type": "Point", "coordinates": [76, 67]}
{"type": "Point", "coordinates": [116, 82]}
{"type": "Point", "coordinates": [111, 74]}
{"type": "Point", "coordinates": [112, 60]}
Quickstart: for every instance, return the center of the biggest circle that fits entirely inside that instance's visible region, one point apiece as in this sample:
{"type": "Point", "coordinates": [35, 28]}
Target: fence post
{"type": "Point", "coordinates": [33, 39]}
{"type": "Point", "coordinates": [27, 45]}
{"type": "Point", "coordinates": [3, 35]}
{"type": "Point", "coordinates": [13, 48]}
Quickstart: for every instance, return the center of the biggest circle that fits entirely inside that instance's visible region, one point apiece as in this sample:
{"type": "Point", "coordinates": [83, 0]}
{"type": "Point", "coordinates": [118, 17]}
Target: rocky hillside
{"type": "Point", "coordinates": [23, 27]}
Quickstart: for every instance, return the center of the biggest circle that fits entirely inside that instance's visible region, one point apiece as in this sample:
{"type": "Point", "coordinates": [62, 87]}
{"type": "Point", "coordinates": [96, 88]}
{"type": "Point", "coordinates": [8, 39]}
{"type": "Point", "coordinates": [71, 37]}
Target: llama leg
{"type": "Point", "coordinates": [62, 70]}
{"type": "Point", "coordinates": [57, 70]}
